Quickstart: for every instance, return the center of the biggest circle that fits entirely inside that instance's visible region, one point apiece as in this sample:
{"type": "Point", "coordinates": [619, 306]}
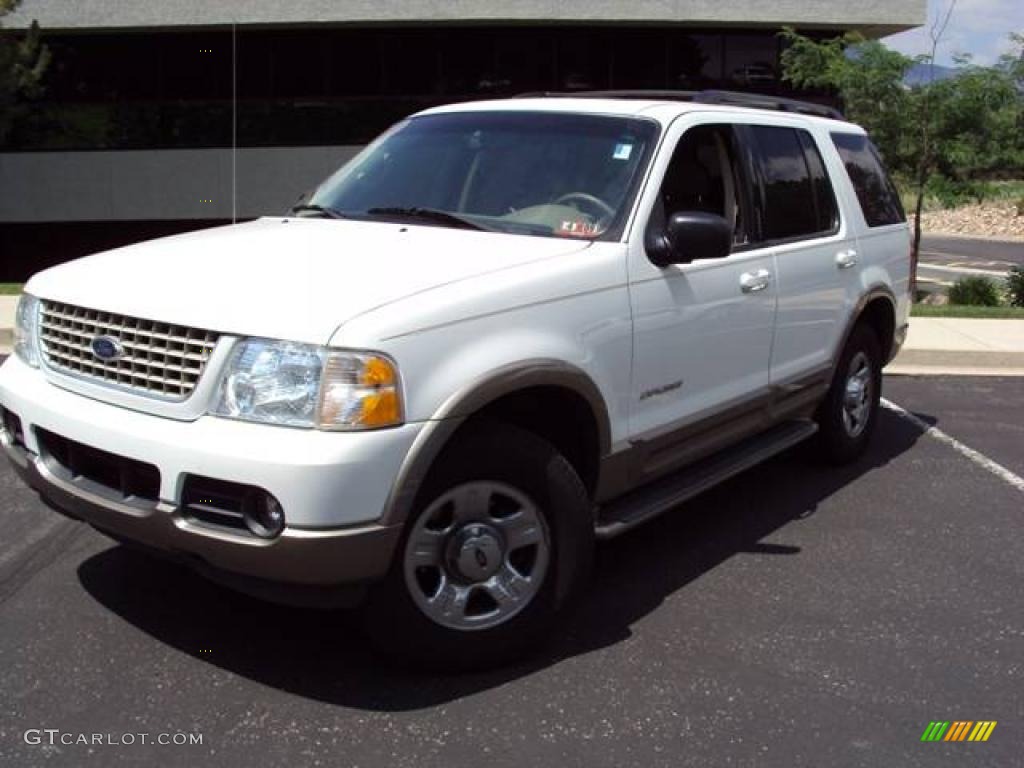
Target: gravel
{"type": "Point", "coordinates": [995, 219]}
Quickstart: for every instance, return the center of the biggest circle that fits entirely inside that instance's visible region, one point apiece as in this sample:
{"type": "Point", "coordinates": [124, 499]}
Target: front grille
{"type": "Point", "coordinates": [156, 359]}
{"type": "Point", "coordinates": [124, 477]}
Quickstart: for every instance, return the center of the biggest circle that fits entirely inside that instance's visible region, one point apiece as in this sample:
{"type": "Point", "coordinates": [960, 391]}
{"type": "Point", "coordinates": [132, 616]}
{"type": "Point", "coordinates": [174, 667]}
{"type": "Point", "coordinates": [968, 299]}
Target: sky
{"type": "Point", "coordinates": [977, 27]}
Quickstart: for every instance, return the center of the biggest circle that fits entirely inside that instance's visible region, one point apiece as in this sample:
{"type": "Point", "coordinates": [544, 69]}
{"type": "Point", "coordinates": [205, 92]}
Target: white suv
{"type": "Point", "coordinates": [503, 331]}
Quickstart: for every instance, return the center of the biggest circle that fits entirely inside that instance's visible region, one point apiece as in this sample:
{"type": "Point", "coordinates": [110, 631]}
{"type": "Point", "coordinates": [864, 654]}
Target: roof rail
{"type": "Point", "coordinates": [731, 98]}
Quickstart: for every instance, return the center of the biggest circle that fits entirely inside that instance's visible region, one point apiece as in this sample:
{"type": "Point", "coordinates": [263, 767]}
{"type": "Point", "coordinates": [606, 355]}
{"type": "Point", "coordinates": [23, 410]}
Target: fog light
{"type": "Point", "coordinates": [264, 516]}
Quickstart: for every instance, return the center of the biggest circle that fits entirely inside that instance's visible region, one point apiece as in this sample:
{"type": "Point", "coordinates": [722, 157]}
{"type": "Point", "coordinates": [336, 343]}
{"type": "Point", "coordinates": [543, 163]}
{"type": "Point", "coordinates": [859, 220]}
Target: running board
{"type": "Point", "coordinates": [649, 501]}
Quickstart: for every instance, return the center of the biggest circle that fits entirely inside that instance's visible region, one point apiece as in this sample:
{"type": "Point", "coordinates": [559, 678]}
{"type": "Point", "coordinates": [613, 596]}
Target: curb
{"type": "Point", "coordinates": [961, 236]}
{"type": "Point", "coordinates": [936, 370]}
{"type": "Point", "coordinates": [937, 362]}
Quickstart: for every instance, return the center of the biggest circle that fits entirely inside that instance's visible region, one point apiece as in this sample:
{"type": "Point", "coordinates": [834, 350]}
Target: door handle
{"type": "Point", "coordinates": [752, 282]}
{"type": "Point", "coordinates": [846, 259]}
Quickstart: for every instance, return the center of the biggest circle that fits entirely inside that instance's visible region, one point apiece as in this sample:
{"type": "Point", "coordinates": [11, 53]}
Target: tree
{"type": "Point", "coordinates": [926, 113]}
{"type": "Point", "coordinates": [962, 128]}
{"type": "Point", "coordinates": [868, 78]}
{"type": "Point", "coordinates": [23, 62]}
{"type": "Point", "coordinates": [977, 120]}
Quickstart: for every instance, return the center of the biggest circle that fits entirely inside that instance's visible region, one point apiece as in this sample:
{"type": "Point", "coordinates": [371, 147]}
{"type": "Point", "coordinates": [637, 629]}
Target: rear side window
{"type": "Point", "coordinates": [798, 198]}
{"type": "Point", "coordinates": [825, 207]}
{"type": "Point", "coordinates": [875, 191]}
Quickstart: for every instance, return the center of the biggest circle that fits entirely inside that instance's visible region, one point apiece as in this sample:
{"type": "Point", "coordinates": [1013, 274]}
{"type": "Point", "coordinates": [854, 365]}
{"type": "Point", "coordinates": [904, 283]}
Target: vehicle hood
{"type": "Point", "coordinates": [297, 279]}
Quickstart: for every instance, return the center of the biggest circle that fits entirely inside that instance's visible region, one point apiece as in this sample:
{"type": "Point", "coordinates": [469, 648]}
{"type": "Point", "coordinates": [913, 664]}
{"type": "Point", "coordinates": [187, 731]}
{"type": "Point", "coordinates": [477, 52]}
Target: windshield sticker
{"type": "Point", "coordinates": [622, 151]}
{"type": "Point", "coordinates": [577, 228]}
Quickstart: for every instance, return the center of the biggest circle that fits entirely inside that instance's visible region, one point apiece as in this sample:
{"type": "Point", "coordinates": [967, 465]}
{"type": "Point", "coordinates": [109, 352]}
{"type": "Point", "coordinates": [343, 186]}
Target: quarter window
{"type": "Point", "coordinates": [875, 191]}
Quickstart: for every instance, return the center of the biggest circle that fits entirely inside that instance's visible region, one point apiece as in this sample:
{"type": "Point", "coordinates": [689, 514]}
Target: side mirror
{"type": "Point", "coordinates": [689, 236]}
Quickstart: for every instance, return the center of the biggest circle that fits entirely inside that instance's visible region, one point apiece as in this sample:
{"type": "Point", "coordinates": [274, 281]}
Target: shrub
{"type": "Point", "coordinates": [951, 193]}
{"type": "Point", "coordinates": [974, 291]}
{"type": "Point", "coordinates": [1015, 283]}
{"type": "Point", "coordinates": [1020, 207]}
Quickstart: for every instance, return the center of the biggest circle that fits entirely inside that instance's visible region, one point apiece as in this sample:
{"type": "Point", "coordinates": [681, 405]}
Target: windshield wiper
{"type": "Point", "coordinates": [324, 210]}
{"type": "Point", "coordinates": [427, 214]}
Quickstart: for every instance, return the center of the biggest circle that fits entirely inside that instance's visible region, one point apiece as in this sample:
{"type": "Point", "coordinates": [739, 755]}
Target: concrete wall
{"type": "Point", "coordinates": [158, 184]}
{"type": "Point", "coordinates": [872, 16]}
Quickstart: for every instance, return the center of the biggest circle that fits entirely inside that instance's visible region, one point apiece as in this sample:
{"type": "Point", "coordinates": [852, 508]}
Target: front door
{"type": "Point", "coordinates": [703, 330]}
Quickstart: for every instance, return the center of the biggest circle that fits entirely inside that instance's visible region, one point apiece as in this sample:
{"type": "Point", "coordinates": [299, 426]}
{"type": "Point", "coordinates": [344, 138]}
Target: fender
{"type": "Point", "coordinates": [874, 292]}
{"type": "Point", "coordinates": [452, 414]}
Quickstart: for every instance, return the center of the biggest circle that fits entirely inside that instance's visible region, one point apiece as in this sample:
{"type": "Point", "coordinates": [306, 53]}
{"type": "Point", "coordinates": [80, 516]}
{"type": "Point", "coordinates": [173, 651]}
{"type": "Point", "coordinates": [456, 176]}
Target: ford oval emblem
{"type": "Point", "coordinates": [106, 348]}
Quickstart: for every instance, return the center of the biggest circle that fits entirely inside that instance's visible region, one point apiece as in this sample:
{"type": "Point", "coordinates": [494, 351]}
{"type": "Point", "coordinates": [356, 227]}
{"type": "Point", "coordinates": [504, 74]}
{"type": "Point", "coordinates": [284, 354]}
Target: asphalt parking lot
{"type": "Point", "coordinates": [945, 259]}
{"type": "Point", "coordinates": [796, 616]}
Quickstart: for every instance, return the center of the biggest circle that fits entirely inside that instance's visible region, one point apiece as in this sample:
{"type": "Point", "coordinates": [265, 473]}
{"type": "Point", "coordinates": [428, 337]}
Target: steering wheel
{"type": "Point", "coordinates": [583, 197]}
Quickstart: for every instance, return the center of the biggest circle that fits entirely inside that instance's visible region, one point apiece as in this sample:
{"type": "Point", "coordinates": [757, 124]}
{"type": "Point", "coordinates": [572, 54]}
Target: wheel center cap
{"type": "Point", "coordinates": [854, 392]}
{"type": "Point", "coordinates": [478, 553]}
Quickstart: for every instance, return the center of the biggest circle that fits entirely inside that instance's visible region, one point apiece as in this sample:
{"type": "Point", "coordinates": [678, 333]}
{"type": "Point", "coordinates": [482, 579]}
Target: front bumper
{"type": "Point", "coordinates": [333, 486]}
{"type": "Point", "coordinates": [297, 557]}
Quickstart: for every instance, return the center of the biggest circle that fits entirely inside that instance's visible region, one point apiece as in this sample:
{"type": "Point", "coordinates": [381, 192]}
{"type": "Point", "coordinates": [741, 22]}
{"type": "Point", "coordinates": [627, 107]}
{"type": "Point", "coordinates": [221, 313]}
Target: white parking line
{"type": "Point", "coordinates": [977, 457]}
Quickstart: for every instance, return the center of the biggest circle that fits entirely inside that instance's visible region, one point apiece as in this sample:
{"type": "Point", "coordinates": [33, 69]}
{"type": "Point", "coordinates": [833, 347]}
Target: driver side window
{"type": "Point", "coordinates": [704, 175]}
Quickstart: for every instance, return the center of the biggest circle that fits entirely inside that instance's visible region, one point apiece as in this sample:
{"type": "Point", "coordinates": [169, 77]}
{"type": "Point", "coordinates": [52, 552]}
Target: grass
{"type": "Point", "coordinates": [964, 310]}
{"type": "Point", "coordinates": [11, 289]}
{"type": "Point", "coordinates": [991, 191]}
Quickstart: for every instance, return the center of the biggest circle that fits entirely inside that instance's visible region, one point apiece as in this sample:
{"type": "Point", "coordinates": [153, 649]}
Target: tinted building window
{"type": "Point", "coordinates": [582, 59]}
{"type": "Point", "coordinates": [876, 193]}
{"type": "Point", "coordinates": [789, 200]}
{"type": "Point", "coordinates": [751, 62]}
{"type": "Point", "coordinates": [638, 58]}
{"type": "Point", "coordinates": [343, 85]}
{"type": "Point", "coordinates": [523, 61]}
{"type": "Point", "coordinates": [694, 61]}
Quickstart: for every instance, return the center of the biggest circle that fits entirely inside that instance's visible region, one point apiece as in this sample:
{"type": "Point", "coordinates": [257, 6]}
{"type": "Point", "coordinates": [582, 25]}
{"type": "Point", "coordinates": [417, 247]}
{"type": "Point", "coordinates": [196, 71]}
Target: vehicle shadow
{"type": "Point", "coordinates": [320, 655]}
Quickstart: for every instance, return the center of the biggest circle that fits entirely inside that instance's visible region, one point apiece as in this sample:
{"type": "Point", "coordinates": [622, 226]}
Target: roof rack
{"type": "Point", "coordinates": [731, 98]}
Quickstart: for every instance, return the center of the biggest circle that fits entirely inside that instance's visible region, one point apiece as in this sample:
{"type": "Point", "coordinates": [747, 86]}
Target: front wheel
{"type": "Point", "coordinates": [499, 542]}
{"type": "Point", "coordinates": [847, 415]}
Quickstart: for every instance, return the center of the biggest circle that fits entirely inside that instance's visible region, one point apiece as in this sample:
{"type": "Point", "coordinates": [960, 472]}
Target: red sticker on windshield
{"type": "Point", "coordinates": [577, 228]}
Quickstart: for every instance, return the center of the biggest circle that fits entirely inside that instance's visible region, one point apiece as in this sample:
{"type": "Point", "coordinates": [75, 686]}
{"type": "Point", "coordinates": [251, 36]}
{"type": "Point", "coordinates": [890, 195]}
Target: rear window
{"type": "Point", "coordinates": [798, 196]}
{"type": "Point", "coordinates": [875, 191]}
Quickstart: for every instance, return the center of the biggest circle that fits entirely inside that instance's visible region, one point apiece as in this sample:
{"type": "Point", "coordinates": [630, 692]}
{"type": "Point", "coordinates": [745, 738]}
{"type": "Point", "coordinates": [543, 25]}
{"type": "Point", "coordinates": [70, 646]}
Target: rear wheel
{"type": "Point", "coordinates": [847, 416]}
{"type": "Point", "coordinates": [499, 542]}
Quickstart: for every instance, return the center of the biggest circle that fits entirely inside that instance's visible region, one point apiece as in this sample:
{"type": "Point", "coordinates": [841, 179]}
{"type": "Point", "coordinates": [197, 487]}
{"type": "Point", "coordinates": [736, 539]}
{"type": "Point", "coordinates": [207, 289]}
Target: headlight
{"type": "Point", "coordinates": [298, 385]}
{"type": "Point", "coordinates": [25, 328]}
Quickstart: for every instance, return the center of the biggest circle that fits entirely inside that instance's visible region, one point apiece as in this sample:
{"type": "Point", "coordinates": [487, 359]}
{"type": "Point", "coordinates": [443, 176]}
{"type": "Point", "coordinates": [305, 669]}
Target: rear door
{"type": "Point", "coordinates": [815, 252]}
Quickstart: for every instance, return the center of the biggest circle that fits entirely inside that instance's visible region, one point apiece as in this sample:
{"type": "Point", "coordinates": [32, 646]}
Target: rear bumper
{"type": "Point", "coordinates": [899, 338]}
{"type": "Point", "coordinates": [297, 557]}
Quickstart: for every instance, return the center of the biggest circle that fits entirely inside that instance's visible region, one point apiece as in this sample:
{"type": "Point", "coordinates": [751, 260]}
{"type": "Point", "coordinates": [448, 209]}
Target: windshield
{"type": "Point", "coordinates": [534, 173]}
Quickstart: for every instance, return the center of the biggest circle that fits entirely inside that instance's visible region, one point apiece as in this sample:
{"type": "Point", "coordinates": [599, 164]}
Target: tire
{"type": "Point", "coordinates": [498, 545]}
{"type": "Point", "coordinates": [846, 424]}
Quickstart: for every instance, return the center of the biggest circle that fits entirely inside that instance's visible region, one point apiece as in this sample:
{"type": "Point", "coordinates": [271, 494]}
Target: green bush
{"type": "Point", "coordinates": [974, 291]}
{"type": "Point", "coordinates": [951, 193]}
{"type": "Point", "coordinates": [1015, 284]}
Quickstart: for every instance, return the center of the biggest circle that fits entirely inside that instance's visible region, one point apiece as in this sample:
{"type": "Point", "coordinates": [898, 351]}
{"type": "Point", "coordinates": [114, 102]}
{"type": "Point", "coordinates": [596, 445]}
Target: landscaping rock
{"type": "Point", "coordinates": [996, 219]}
